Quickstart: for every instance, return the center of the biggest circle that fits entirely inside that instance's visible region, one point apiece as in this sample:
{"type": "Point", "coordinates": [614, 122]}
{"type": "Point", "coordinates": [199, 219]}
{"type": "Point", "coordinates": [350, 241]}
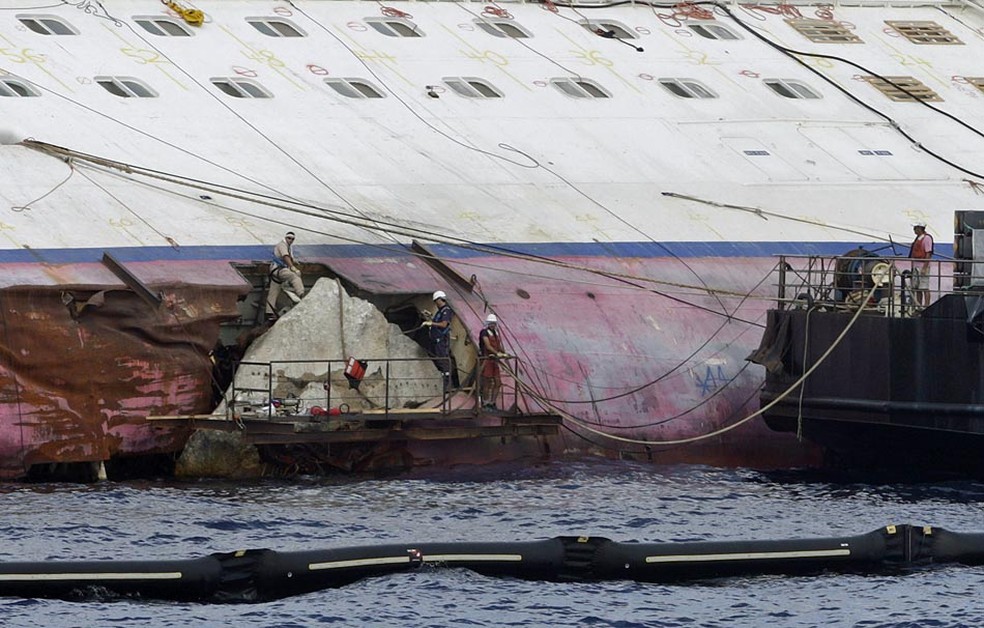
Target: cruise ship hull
{"type": "Point", "coordinates": [613, 181]}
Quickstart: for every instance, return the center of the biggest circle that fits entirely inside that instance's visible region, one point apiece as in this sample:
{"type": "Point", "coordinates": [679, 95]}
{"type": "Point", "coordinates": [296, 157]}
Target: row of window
{"type": "Point", "coordinates": [897, 88]}
{"type": "Point", "coordinates": [820, 31]}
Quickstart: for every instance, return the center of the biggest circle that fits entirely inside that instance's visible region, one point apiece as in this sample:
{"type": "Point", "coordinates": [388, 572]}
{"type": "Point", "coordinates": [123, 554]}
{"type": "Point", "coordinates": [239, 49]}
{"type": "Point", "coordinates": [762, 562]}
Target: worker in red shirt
{"type": "Point", "coordinates": [921, 249]}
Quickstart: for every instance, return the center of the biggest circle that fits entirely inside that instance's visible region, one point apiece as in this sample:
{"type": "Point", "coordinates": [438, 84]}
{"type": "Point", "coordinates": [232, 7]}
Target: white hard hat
{"type": "Point", "coordinates": [491, 319]}
{"type": "Point", "coordinates": [440, 295]}
{"type": "Point", "coordinates": [919, 223]}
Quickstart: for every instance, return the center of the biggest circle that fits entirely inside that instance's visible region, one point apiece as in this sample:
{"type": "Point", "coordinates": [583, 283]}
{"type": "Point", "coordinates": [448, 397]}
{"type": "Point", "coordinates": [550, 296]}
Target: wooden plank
{"type": "Point", "coordinates": [364, 436]}
{"type": "Point", "coordinates": [401, 411]}
{"type": "Point", "coordinates": [173, 417]}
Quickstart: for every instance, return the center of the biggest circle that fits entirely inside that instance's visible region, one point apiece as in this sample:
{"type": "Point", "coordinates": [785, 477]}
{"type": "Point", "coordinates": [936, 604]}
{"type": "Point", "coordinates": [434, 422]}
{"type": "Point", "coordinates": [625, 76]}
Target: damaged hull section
{"type": "Point", "coordinates": [659, 369]}
{"type": "Point", "coordinates": [82, 366]}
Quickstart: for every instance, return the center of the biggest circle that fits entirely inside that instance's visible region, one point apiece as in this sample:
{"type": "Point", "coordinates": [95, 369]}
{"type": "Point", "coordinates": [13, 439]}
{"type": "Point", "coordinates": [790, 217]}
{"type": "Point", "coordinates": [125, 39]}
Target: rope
{"type": "Point", "coordinates": [494, 11]}
{"type": "Point", "coordinates": [693, 439]}
{"type": "Point", "coordinates": [394, 12]}
{"type": "Point", "coordinates": [21, 208]}
{"type": "Point", "coordinates": [669, 372]}
{"type": "Point", "coordinates": [356, 221]}
{"type": "Point", "coordinates": [687, 10]}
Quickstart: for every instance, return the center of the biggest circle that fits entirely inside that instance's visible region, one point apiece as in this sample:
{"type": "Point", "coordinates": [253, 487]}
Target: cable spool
{"type": "Point", "coordinates": [881, 273]}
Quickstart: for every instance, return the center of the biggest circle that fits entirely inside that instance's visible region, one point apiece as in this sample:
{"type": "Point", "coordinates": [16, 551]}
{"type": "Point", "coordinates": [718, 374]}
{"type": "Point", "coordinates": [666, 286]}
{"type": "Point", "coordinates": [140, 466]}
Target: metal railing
{"type": "Point", "coordinates": [903, 286]}
{"type": "Point", "coordinates": [317, 388]}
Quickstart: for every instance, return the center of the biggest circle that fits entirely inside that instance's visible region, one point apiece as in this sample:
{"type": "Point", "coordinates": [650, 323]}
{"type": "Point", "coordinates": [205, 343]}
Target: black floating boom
{"type": "Point", "coordinates": [258, 575]}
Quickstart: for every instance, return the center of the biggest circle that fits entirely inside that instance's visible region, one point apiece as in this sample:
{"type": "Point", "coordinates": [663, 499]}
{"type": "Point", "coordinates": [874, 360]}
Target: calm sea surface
{"type": "Point", "coordinates": [621, 501]}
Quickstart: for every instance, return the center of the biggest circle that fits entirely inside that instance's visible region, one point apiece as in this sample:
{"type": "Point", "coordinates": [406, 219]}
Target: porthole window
{"type": "Point", "coordinates": [709, 30]}
{"type": "Point", "coordinates": [686, 88]}
{"type": "Point", "coordinates": [394, 27]}
{"type": "Point", "coordinates": [163, 26]}
{"type": "Point", "coordinates": [502, 28]}
{"type": "Point", "coordinates": [609, 28]}
{"type": "Point", "coordinates": [789, 88]}
{"type": "Point", "coordinates": [47, 25]}
{"type": "Point", "coordinates": [354, 88]}
{"type": "Point", "coordinates": [580, 87]}
{"type": "Point", "coordinates": [471, 87]}
{"type": "Point", "coordinates": [125, 87]}
{"type": "Point", "coordinates": [11, 87]}
{"type": "Point", "coordinates": [240, 87]}
{"type": "Point", "coordinates": [275, 27]}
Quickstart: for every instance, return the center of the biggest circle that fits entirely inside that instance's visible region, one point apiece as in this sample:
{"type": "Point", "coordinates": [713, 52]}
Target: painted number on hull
{"type": "Point", "coordinates": [712, 380]}
{"type": "Point", "coordinates": [23, 55]}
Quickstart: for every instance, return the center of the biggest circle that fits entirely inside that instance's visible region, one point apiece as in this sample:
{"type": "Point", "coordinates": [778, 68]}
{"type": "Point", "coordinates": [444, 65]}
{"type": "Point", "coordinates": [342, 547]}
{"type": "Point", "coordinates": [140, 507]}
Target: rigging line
{"type": "Point", "coordinates": [792, 54]}
{"type": "Point", "coordinates": [795, 54]}
{"type": "Point", "coordinates": [71, 173]}
{"type": "Point", "coordinates": [724, 310]}
{"type": "Point", "coordinates": [406, 231]}
{"type": "Point", "coordinates": [405, 104]}
{"type": "Point", "coordinates": [586, 196]}
{"type": "Point", "coordinates": [535, 162]}
{"type": "Point", "coordinates": [86, 6]}
{"type": "Point", "coordinates": [139, 131]}
{"type": "Point", "coordinates": [541, 372]}
{"type": "Point", "coordinates": [404, 251]}
{"type": "Point", "coordinates": [42, 6]}
{"type": "Point", "coordinates": [249, 124]}
{"type": "Point", "coordinates": [667, 373]}
{"type": "Point", "coordinates": [960, 21]}
{"type": "Point", "coordinates": [759, 412]}
{"type": "Point", "coordinates": [520, 41]}
{"type": "Point", "coordinates": [517, 349]}
{"type": "Point", "coordinates": [597, 31]}
{"type": "Point", "coordinates": [663, 421]}
{"type": "Point", "coordinates": [792, 51]}
{"type": "Point", "coordinates": [733, 340]}
{"type": "Point", "coordinates": [765, 213]}
{"type": "Point", "coordinates": [167, 238]}
{"type": "Point", "coordinates": [726, 346]}
{"type": "Point", "coordinates": [401, 250]}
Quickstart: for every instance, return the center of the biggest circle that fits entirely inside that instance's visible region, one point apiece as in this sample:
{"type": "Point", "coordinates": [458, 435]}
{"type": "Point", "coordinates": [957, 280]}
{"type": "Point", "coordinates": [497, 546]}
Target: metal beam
{"type": "Point", "coordinates": [131, 280]}
{"type": "Point", "coordinates": [438, 264]}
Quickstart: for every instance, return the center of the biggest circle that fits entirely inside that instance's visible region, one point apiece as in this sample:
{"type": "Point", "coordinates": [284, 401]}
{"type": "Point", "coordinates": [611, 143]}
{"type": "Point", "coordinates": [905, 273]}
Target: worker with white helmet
{"type": "Point", "coordinates": [440, 336]}
{"type": "Point", "coordinates": [490, 351]}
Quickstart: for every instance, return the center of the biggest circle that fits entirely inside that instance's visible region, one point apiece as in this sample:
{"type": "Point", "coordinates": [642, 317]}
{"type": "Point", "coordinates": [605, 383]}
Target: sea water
{"type": "Point", "coordinates": [621, 501]}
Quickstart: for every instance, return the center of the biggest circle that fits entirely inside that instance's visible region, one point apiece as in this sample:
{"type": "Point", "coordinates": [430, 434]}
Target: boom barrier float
{"type": "Point", "coordinates": [261, 575]}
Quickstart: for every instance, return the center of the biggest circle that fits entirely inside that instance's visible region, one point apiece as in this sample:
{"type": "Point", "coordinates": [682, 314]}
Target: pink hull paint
{"type": "Point", "coordinates": [653, 363]}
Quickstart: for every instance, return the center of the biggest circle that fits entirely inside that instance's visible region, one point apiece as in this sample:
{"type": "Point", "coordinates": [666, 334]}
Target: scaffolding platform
{"type": "Point", "coordinates": [416, 424]}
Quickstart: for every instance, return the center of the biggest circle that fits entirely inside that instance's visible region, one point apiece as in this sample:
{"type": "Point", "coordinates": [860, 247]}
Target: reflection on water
{"type": "Point", "coordinates": [622, 501]}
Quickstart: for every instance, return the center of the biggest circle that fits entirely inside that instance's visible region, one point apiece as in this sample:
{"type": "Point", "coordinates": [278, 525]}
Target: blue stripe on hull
{"type": "Point", "coordinates": [554, 249]}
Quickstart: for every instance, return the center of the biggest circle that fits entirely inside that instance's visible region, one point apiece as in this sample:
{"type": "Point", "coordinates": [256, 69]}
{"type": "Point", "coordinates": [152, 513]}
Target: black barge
{"type": "Point", "coordinates": [890, 385]}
